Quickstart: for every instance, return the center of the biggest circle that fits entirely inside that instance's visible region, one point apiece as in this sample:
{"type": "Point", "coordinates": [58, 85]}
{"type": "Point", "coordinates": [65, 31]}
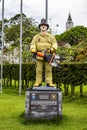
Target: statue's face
{"type": "Point", "coordinates": [43, 27]}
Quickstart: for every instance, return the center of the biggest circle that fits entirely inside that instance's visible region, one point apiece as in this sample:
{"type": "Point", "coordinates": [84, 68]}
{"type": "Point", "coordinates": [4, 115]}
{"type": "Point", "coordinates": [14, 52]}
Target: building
{"type": "Point", "coordinates": [0, 35]}
{"type": "Point", "coordinates": [69, 23]}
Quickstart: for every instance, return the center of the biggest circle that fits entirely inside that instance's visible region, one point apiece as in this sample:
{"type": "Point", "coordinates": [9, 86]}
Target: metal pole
{"type": "Point", "coordinates": [46, 11]}
{"type": "Point", "coordinates": [2, 46]}
{"type": "Point", "coordinates": [46, 17]}
{"type": "Point", "coordinates": [20, 71]}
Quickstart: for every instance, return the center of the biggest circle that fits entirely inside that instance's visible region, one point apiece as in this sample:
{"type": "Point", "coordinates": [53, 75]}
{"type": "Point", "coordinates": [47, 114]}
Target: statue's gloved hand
{"type": "Point", "coordinates": [33, 50]}
{"type": "Point", "coordinates": [50, 50]}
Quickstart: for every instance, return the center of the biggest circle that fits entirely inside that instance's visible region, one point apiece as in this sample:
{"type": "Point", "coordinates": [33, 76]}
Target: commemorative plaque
{"type": "Point", "coordinates": [43, 102]}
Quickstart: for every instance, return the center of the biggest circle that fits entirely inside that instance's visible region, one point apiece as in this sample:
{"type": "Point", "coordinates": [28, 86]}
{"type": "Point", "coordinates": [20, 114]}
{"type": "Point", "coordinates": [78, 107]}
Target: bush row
{"type": "Point", "coordinates": [72, 74]}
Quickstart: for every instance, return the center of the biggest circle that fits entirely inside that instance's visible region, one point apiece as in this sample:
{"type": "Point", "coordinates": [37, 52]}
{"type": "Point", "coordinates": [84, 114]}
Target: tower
{"type": "Point", "coordinates": [69, 23]}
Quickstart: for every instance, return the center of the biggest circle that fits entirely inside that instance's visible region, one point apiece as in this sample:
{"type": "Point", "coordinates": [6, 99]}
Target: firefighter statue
{"type": "Point", "coordinates": [42, 42]}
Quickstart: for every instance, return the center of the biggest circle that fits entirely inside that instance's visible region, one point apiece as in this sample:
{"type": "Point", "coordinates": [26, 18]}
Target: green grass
{"type": "Point", "coordinates": [12, 109]}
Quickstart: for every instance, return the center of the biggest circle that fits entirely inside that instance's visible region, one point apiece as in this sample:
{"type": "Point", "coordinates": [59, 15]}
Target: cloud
{"type": "Point", "coordinates": [59, 14]}
{"type": "Point", "coordinates": [58, 11]}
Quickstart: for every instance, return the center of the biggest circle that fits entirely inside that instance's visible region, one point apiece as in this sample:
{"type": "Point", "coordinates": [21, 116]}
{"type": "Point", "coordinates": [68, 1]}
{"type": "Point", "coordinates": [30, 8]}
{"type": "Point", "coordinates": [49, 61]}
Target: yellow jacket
{"type": "Point", "coordinates": [42, 42]}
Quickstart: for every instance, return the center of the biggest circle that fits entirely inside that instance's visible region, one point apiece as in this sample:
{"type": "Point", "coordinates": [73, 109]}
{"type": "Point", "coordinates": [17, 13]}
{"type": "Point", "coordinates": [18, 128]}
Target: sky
{"type": "Point", "coordinates": [58, 11]}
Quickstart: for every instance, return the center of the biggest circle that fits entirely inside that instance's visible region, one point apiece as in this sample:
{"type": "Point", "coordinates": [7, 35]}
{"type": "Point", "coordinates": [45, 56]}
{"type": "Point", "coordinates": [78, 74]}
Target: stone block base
{"type": "Point", "coordinates": [43, 102]}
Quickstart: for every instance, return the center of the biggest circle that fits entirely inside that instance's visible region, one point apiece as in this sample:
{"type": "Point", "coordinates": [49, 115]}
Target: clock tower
{"type": "Point", "coordinates": [69, 23]}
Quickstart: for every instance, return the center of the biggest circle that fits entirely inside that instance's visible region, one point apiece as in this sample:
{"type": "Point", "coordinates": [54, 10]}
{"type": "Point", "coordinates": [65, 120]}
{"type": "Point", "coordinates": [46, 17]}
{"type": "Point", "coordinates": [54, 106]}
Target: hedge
{"type": "Point", "coordinates": [70, 74]}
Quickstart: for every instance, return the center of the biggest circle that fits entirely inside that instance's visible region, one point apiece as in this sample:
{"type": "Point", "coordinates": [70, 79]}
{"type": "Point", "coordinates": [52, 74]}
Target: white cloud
{"type": "Point", "coordinates": [57, 11]}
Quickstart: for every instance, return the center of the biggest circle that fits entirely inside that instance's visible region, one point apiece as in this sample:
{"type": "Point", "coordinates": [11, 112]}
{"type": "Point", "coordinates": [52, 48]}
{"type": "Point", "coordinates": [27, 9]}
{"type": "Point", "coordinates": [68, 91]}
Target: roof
{"type": "Point", "coordinates": [69, 17]}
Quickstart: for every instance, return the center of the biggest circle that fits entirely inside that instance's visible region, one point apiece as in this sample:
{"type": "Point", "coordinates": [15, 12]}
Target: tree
{"type": "Point", "coordinates": [12, 32]}
{"type": "Point", "coordinates": [74, 35]}
{"type": "Point", "coordinates": [81, 51]}
{"type": "Point", "coordinates": [12, 29]}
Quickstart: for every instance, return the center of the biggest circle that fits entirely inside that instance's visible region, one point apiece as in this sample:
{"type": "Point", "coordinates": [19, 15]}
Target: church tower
{"type": "Point", "coordinates": [69, 23]}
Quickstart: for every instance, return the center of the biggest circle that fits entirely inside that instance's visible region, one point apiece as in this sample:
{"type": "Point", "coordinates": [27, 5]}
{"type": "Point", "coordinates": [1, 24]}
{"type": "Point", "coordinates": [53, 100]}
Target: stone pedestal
{"type": "Point", "coordinates": [43, 102]}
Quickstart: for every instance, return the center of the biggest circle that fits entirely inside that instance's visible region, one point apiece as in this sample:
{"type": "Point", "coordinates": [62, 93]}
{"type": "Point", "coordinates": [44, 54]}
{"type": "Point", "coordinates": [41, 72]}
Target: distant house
{"type": "Point", "coordinates": [65, 44]}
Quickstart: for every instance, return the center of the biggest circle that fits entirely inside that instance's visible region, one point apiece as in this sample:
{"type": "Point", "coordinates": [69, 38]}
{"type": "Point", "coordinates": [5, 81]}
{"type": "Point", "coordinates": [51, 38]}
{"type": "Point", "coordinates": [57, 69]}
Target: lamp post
{"type": "Point", "coordinates": [2, 45]}
{"type": "Point", "coordinates": [20, 71]}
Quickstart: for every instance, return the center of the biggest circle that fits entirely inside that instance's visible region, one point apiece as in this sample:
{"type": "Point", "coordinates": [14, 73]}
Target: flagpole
{"type": "Point", "coordinates": [2, 39]}
{"type": "Point", "coordinates": [20, 71]}
{"type": "Point", "coordinates": [46, 11]}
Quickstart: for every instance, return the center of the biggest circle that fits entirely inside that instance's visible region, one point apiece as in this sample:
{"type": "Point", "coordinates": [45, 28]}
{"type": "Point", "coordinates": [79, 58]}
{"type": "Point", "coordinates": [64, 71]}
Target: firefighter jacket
{"type": "Point", "coordinates": [43, 42]}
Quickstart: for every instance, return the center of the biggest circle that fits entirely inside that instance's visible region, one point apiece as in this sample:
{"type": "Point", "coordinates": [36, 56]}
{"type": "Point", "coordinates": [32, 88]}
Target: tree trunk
{"type": "Point", "coordinates": [81, 90]}
{"type": "Point", "coordinates": [72, 90]}
{"type": "Point", "coordinates": [66, 89]}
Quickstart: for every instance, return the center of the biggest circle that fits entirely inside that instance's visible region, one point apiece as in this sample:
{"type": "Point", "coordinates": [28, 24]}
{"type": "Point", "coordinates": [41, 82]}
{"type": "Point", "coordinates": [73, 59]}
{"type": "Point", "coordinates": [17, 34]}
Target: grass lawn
{"type": "Point", "coordinates": [12, 109]}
